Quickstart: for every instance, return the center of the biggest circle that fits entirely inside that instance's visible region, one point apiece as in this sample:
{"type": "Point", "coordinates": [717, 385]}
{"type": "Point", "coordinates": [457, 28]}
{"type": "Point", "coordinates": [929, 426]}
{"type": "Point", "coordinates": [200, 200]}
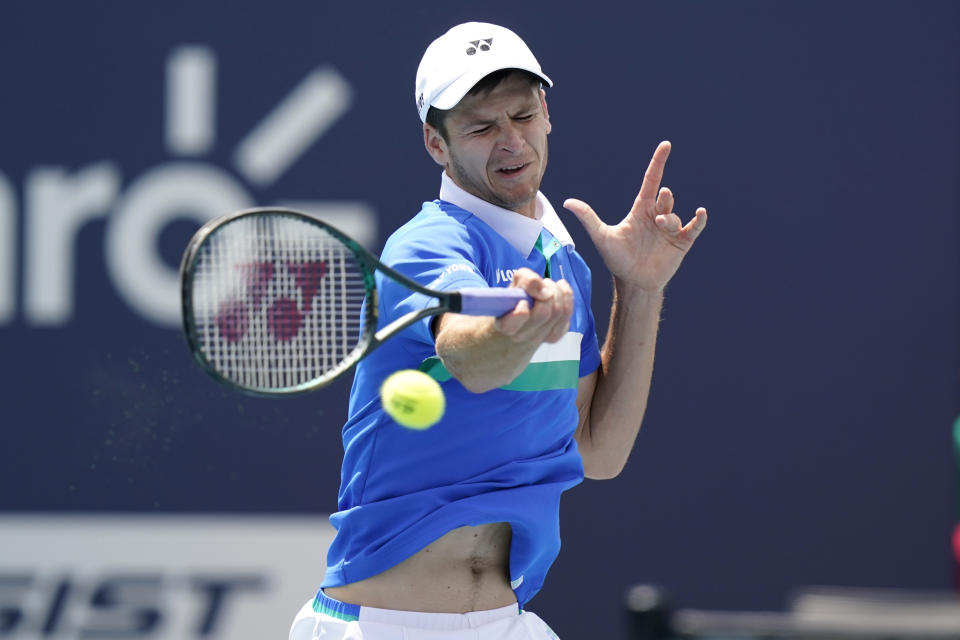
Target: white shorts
{"type": "Point", "coordinates": [324, 618]}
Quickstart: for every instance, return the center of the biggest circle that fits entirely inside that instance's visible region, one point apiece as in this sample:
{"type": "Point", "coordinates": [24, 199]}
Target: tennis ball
{"type": "Point", "coordinates": [413, 399]}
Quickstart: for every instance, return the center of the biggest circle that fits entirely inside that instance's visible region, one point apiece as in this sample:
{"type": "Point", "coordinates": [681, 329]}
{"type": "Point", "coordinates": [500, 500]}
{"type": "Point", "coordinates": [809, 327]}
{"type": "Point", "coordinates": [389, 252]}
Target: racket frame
{"type": "Point", "coordinates": [369, 264]}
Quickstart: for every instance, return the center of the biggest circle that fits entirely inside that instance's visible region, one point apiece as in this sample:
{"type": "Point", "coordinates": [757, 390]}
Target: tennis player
{"type": "Point", "coordinates": [449, 532]}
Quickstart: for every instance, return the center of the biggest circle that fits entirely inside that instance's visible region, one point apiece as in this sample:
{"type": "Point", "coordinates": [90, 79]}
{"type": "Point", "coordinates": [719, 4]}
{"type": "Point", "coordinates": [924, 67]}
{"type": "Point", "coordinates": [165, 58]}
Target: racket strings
{"type": "Point", "coordinates": [278, 302]}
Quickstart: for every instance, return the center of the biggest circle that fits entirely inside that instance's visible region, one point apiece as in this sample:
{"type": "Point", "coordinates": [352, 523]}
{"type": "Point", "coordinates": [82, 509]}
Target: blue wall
{"type": "Point", "coordinates": [799, 427]}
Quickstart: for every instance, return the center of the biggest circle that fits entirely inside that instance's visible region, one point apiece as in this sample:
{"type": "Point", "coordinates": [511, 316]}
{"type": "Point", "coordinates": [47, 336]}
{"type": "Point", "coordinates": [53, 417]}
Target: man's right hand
{"type": "Point", "coordinates": [548, 320]}
{"type": "Point", "coordinates": [484, 353]}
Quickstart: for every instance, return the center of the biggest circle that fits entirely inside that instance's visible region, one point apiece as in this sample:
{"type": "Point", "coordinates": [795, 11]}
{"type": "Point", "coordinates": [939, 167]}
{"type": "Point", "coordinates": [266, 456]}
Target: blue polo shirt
{"type": "Point", "coordinates": [501, 456]}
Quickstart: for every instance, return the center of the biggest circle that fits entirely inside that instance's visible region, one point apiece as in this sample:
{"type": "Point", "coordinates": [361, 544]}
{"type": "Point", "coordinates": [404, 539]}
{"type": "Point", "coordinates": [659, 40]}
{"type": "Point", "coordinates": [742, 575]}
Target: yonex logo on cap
{"type": "Point", "coordinates": [482, 45]}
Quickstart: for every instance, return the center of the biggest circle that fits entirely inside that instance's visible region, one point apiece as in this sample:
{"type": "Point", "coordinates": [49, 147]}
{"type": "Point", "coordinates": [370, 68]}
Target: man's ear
{"type": "Point", "coordinates": [546, 112]}
{"type": "Point", "coordinates": [435, 144]}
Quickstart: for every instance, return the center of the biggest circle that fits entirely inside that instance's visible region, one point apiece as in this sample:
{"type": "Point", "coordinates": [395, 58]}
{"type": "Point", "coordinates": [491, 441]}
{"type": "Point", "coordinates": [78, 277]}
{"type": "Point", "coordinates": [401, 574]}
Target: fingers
{"type": "Point", "coordinates": [587, 216]}
{"type": "Point", "coordinates": [649, 191]}
{"type": "Point", "coordinates": [548, 319]}
{"type": "Point", "coordinates": [654, 174]}
{"type": "Point", "coordinates": [535, 286]}
{"type": "Point", "coordinates": [671, 224]}
{"type": "Point", "coordinates": [697, 225]}
{"type": "Point", "coordinates": [665, 218]}
{"type": "Point", "coordinates": [559, 321]}
{"type": "Point", "coordinates": [665, 201]}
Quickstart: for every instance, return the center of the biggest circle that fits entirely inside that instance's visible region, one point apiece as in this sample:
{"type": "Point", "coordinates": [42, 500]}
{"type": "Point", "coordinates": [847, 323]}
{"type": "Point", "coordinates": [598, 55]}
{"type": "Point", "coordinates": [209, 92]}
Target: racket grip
{"type": "Point", "coordinates": [491, 301]}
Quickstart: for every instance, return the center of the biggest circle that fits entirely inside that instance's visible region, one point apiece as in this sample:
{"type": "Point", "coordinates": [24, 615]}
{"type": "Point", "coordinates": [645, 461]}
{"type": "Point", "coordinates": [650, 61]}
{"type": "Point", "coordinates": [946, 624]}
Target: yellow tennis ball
{"type": "Point", "coordinates": [413, 399]}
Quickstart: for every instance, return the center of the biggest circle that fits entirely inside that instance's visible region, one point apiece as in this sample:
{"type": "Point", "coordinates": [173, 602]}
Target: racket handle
{"type": "Point", "coordinates": [492, 301]}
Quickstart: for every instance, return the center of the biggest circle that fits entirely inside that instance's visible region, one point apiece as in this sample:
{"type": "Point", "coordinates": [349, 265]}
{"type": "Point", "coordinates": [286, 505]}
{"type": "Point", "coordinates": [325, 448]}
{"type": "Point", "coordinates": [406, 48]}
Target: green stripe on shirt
{"type": "Point", "coordinates": [552, 366]}
{"type": "Point", "coordinates": [538, 376]}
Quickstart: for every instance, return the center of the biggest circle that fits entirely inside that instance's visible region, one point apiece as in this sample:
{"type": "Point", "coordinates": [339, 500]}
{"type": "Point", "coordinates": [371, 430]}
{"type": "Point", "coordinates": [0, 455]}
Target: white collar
{"type": "Point", "coordinates": [517, 229]}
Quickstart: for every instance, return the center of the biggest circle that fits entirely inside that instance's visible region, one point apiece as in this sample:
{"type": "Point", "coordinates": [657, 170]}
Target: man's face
{"type": "Point", "coordinates": [496, 147]}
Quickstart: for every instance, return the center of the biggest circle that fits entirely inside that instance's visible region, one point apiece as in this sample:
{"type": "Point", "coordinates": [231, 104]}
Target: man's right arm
{"type": "Point", "coordinates": [485, 353]}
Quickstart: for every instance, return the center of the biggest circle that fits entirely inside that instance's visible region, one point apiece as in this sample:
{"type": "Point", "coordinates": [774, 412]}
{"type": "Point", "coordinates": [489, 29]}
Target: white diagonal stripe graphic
{"type": "Point", "coordinates": [191, 85]}
{"type": "Point", "coordinates": [293, 125]}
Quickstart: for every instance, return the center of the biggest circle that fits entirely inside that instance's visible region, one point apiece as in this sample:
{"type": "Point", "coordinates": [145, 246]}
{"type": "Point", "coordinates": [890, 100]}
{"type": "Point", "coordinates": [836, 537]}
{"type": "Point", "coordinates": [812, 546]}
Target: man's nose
{"type": "Point", "coordinates": [510, 138]}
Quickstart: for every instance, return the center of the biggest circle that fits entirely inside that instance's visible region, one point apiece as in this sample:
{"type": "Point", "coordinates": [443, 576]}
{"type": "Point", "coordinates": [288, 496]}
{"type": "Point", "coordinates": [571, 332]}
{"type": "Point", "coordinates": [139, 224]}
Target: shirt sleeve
{"type": "Point", "coordinates": [437, 254]}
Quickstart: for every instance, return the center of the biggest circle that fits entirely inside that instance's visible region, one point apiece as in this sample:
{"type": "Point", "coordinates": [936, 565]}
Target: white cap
{"type": "Point", "coordinates": [463, 56]}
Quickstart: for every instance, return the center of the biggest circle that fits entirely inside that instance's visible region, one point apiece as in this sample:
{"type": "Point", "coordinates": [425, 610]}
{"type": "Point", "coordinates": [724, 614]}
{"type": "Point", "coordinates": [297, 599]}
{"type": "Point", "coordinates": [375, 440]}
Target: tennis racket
{"type": "Point", "coordinates": [278, 302]}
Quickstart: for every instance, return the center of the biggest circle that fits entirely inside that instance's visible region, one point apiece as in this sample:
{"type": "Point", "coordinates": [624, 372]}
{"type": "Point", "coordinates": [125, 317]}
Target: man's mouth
{"type": "Point", "coordinates": [512, 169]}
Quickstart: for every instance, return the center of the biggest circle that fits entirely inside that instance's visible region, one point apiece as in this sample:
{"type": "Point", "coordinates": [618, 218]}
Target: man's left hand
{"type": "Point", "coordinates": [646, 248]}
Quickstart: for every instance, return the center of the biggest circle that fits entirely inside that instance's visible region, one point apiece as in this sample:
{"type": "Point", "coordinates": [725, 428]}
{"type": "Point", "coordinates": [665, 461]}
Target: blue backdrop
{"type": "Point", "coordinates": [806, 378]}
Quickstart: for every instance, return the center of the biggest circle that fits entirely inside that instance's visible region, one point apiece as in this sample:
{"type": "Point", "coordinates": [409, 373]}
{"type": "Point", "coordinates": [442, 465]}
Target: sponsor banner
{"type": "Point", "coordinates": [137, 210]}
{"type": "Point", "coordinates": [164, 577]}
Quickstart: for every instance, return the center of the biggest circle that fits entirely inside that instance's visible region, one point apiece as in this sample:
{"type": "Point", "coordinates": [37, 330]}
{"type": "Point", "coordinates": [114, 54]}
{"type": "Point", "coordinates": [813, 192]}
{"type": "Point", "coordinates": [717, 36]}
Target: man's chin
{"type": "Point", "coordinates": [525, 206]}
{"type": "Point", "coordinates": [515, 195]}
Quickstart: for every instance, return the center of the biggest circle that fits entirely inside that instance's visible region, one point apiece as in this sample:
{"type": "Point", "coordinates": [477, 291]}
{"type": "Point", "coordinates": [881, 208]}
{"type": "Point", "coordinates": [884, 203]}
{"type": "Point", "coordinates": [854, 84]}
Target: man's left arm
{"type": "Point", "coordinates": [642, 252]}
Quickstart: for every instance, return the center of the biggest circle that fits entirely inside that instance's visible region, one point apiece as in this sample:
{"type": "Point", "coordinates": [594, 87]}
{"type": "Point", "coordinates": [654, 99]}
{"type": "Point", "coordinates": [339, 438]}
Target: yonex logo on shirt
{"type": "Point", "coordinates": [482, 45]}
{"type": "Point", "coordinates": [451, 269]}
